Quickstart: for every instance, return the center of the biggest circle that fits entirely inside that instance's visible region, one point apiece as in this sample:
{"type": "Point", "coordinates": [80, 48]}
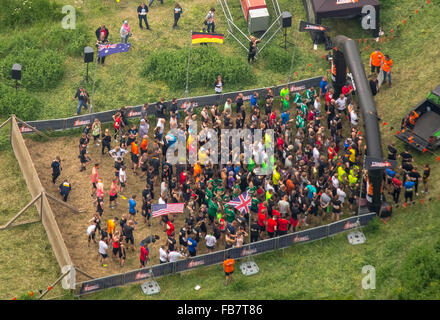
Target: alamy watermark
{"type": "Point", "coordinates": [236, 145]}
{"type": "Point", "coordinates": [369, 20]}
{"type": "Point", "coordinates": [369, 281]}
{"type": "Point", "coordinates": [69, 21]}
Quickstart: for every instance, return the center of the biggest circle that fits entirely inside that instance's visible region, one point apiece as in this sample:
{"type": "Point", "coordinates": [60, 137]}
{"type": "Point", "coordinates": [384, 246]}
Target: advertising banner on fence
{"type": "Point", "coordinates": [134, 111]}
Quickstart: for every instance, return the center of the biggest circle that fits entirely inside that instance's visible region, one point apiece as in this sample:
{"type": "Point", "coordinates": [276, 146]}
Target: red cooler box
{"type": "Point", "coordinates": [247, 5]}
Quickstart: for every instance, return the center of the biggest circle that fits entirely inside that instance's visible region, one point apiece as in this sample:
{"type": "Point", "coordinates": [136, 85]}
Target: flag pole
{"type": "Point", "coordinates": [187, 69]}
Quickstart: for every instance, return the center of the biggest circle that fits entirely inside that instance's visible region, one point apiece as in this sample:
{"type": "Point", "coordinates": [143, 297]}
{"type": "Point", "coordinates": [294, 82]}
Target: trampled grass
{"type": "Point", "coordinates": [330, 269]}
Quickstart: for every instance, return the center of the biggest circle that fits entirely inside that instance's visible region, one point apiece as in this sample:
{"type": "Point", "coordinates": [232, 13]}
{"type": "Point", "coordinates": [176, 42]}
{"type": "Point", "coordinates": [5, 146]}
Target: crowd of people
{"type": "Point", "coordinates": [317, 169]}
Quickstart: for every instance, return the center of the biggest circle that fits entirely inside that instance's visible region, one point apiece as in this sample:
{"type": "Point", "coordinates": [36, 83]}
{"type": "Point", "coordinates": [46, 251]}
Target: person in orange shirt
{"type": "Point", "coordinates": [376, 60]}
{"type": "Point", "coordinates": [144, 144]}
{"type": "Point", "coordinates": [135, 156]}
{"type": "Point", "coordinates": [386, 68]}
{"type": "Point", "coordinates": [197, 171]}
{"type": "Point", "coordinates": [228, 266]}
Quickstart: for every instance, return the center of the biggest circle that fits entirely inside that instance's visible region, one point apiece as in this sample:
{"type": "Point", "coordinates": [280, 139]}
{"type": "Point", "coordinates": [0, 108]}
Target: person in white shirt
{"type": "Point", "coordinates": [103, 250]}
{"type": "Point", "coordinates": [335, 180]}
{"type": "Point", "coordinates": [91, 230]}
{"type": "Point", "coordinates": [173, 256]}
{"type": "Point", "coordinates": [218, 85]}
{"type": "Point", "coordinates": [118, 152]}
{"type": "Point", "coordinates": [122, 179]}
{"type": "Point", "coordinates": [160, 126]}
{"type": "Point", "coordinates": [163, 256]}
{"type": "Point", "coordinates": [161, 199]}
{"type": "Point", "coordinates": [342, 104]}
{"type": "Point", "coordinates": [316, 155]}
{"type": "Point", "coordinates": [354, 119]}
{"type": "Point", "coordinates": [210, 242]}
{"type": "Point", "coordinates": [341, 194]}
{"type": "Point", "coordinates": [317, 105]}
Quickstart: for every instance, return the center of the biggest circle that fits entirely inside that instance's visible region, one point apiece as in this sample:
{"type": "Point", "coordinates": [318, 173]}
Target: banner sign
{"type": "Point", "coordinates": [134, 111]}
{"type": "Point", "coordinates": [379, 164]}
{"type": "Point", "coordinates": [108, 49]}
{"type": "Point", "coordinates": [307, 26]}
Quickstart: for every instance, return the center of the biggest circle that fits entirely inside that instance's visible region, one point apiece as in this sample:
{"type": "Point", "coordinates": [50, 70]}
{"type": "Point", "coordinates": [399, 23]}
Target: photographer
{"type": "Point", "coordinates": [253, 48]}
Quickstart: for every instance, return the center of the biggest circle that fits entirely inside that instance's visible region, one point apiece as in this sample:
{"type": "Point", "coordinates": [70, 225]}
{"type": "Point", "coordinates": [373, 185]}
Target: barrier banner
{"type": "Point", "coordinates": [163, 269]}
{"type": "Point", "coordinates": [259, 247]}
{"type": "Point", "coordinates": [203, 260]}
{"type": "Point", "coordinates": [138, 275]}
{"type": "Point", "coordinates": [343, 225]}
{"type": "Point", "coordinates": [102, 283]}
{"type": "Point", "coordinates": [134, 111]}
{"type": "Point", "coordinates": [286, 240]}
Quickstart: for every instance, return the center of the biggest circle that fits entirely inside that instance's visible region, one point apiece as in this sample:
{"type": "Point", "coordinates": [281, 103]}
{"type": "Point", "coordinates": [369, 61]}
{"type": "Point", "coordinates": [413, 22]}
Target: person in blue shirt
{"type": "Point", "coordinates": [285, 117]}
{"type": "Point", "coordinates": [312, 190]}
{"type": "Point", "coordinates": [192, 245]}
{"type": "Point", "coordinates": [64, 189]}
{"type": "Point", "coordinates": [254, 99]}
{"type": "Point", "coordinates": [132, 206]}
{"type": "Point", "coordinates": [390, 175]}
{"type": "Point", "coordinates": [323, 86]}
{"type": "Point", "coordinates": [409, 187]}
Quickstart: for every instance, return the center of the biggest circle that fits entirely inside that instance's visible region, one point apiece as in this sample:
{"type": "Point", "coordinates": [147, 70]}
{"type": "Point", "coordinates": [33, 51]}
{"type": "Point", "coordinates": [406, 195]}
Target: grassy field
{"type": "Point", "coordinates": [119, 83]}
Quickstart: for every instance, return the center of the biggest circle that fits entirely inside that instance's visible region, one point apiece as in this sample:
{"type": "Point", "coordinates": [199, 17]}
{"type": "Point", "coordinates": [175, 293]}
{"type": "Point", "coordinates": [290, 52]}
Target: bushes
{"type": "Point", "coordinates": [40, 69]}
{"type": "Point", "coordinates": [24, 105]}
{"type": "Point", "coordinates": [22, 13]}
{"type": "Point", "coordinates": [70, 41]}
{"type": "Point", "coordinates": [206, 63]}
{"type": "Point", "coordinates": [279, 60]}
{"type": "Point", "coordinates": [420, 274]}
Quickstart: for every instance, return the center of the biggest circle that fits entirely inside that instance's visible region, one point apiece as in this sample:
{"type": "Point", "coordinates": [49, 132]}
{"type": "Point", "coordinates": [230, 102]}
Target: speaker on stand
{"type": "Point", "coordinates": [16, 74]}
{"type": "Point", "coordinates": [286, 18]}
{"type": "Point", "coordinates": [88, 57]}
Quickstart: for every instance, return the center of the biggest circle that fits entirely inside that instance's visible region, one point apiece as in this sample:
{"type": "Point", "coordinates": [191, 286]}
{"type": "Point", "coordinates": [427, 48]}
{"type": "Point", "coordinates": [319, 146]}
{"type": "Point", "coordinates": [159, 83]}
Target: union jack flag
{"type": "Point", "coordinates": [242, 203]}
{"type": "Point", "coordinates": [163, 209]}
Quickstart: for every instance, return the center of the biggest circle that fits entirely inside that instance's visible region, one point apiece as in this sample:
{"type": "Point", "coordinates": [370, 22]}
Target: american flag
{"type": "Point", "coordinates": [162, 209]}
{"type": "Point", "coordinates": [242, 203]}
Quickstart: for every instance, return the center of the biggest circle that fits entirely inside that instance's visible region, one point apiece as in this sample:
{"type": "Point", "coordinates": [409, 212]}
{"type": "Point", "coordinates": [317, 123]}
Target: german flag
{"type": "Point", "coordinates": [203, 37]}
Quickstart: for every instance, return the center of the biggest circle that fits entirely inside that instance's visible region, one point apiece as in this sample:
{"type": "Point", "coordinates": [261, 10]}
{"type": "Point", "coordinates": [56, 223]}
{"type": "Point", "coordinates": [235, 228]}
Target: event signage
{"type": "Point", "coordinates": [307, 26]}
{"type": "Point", "coordinates": [378, 164]}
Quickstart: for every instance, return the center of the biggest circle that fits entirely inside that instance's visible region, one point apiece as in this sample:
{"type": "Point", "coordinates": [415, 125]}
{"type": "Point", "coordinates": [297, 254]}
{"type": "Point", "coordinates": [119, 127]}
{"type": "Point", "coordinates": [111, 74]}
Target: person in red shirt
{"type": "Point", "coordinates": [397, 184]}
{"type": "Point", "coordinates": [262, 221]}
{"type": "Point", "coordinates": [144, 255]}
{"type": "Point", "coordinates": [283, 224]}
{"type": "Point", "coordinates": [329, 97]}
{"type": "Point", "coordinates": [272, 226]}
{"type": "Point", "coordinates": [293, 222]}
{"type": "Point", "coordinates": [116, 125]}
{"type": "Point", "coordinates": [170, 228]}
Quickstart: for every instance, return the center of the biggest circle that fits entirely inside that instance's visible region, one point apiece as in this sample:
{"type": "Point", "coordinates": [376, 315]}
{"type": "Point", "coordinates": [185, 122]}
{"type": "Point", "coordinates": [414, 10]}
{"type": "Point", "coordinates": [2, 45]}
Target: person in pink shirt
{"type": "Point", "coordinates": [125, 32]}
{"type": "Point", "coordinates": [94, 178]}
{"type": "Point", "coordinates": [113, 193]}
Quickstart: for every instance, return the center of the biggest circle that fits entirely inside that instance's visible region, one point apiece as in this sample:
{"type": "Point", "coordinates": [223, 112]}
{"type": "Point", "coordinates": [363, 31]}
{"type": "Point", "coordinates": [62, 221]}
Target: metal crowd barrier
{"type": "Point", "coordinates": [135, 111]}
{"type": "Point", "coordinates": [218, 257]}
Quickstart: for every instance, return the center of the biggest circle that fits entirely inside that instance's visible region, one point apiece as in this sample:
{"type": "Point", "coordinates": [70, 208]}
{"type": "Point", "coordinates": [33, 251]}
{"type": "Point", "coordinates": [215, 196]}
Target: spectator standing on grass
{"type": "Point", "coordinates": [228, 267]}
{"type": "Point", "coordinates": [64, 189]}
{"type": "Point", "coordinates": [374, 85]}
{"type": "Point", "coordinates": [386, 69]}
{"type": "Point", "coordinates": [376, 60]}
{"type": "Point", "coordinates": [102, 31]}
{"type": "Point", "coordinates": [253, 48]}
{"type": "Point", "coordinates": [425, 178]}
{"type": "Point", "coordinates": [142, 11]}
{"type": "Point", "coordinates": [83, 99]}
{"type": "Point", "coordinates": [56, 168]}
{"type": "Point", "coordinates": [218, 85]}
{"type": "Point", "coordinates": [210, 20]}
{"type": "Point", "coordinates": [177, 12]}
{"type": "Point", "coordinates": [323, 85]}
{"type": "Point", "coordinates": [125, 32]}
{"type": "Point", "coordinates": [102, 41]}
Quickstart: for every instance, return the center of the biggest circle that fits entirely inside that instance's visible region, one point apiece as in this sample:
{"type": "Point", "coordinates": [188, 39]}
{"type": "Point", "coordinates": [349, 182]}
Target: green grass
{"type": "Point", "coordinates": [327, 269]}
